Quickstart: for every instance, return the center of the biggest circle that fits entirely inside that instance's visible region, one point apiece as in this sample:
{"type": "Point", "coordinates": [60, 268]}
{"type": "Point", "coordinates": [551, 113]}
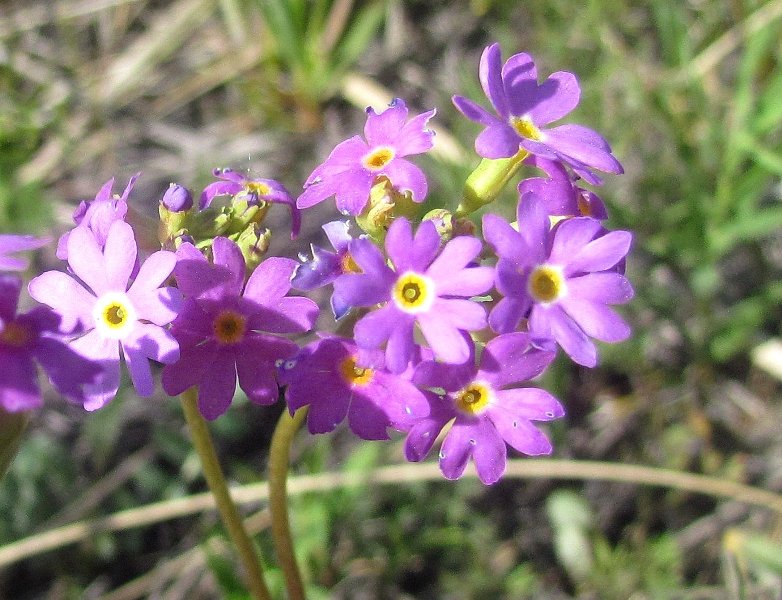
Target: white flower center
{"type": "Point", "coordinates": [114, 315]}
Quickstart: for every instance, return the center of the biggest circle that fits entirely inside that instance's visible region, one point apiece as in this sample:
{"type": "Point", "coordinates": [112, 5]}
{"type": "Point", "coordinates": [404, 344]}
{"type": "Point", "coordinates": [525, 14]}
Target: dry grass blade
{"type": "Point", "coordinates": [32, 17]}
{"type": "Point", "coordinates": [127, 77]}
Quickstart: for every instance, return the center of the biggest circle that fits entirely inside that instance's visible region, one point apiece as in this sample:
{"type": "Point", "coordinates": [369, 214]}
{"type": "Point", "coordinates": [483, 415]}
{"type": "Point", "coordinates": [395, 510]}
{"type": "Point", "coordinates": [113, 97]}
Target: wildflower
{"type": "Point", "coordinates": [355, 165]}
{"type": "Point", "coordinates": [523, 110]}
{"type": "Point", "coordinates": [487, 412]}
{"type": "Point", "coordinates": [99, 214]}
{"type": "Point", "coordinates": [561, 279]}
{"type": "Point", "coordinates": [111, 315]}
{"type": "Point", "coordinates": [227, 328]}
{"type": "Point", "coordinates": [255, 190]}
{"type": "Point", "coordinates": [420, 287]}
{"type": "Point", "coordinates": [330, 376]}
{"type": "Point", "coordinates": [559, 192]}
{"type": "Point", "coordinates": [10, 243]}
{"type": "Point", "coordinates": [325, 266]}
{"type": "Point", "coordinates": [33, 337]}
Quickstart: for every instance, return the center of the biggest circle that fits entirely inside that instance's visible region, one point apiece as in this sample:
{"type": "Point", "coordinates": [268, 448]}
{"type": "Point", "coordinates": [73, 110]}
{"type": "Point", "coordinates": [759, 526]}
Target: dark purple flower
{"type": "Point", "coordinates": [327, 375]}
{"type": "Point", "coordinates": [10, 244]}
{"type": "Point", "coordinates": [99, 214]}
{"type": "Point", "coordinates": [524, 108]}
{"type": "Point", "coordinates": [228, 328]}
{"type": "Point", "coordinates": [421, 286]}
{"type": "Point", "coordinates": [487, 413]}
{"type": "Point", "coordinates": [252, 189]}
{"type": "Point", "coordinates": [33, 337]}
{"type": "Point", "coordinates": [112, 316]}
{"type": "Point", "coordinates": [354, 166]}
{"type": "Point", "coordinates": [562, 279]}
{"type": "Point", "coordinates": [559, 192]}
{"type": "Point", "coordinates": [326, 266]}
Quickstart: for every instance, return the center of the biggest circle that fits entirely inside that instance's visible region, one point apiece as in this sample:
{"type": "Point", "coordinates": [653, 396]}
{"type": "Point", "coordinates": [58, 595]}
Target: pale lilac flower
{"type": "Point", "coordinates": [487, 413]}
{"type": "Point", "coordinates": [111, 315]}
{"type": "Point", "coordinates": [32, 337]}
{"type": "Point", "coordinates": [325, 266]}
{"type": "Point", "coordinates": [177, 198]}
{"type": "Point", "coordinates": [355, 165]}
{"type": "Point", "coordinates": [252, 189]}
{"type": "Point", "coordinates": [99, 214]}
{"type": "Point", "coordinates": [562, 279]}
{"type": "Point", "coordinates": [11, 244]}
{"type": "Point", "coordinates": [330, 376]}
{"type": "Point", "coordinates": [524, 109]}
{"type": "Point", "coordinates": [228, 328]}
{"type": "Point", "coordinates": [559, 192]}
{"type": "Point", "coordinates": [423, 286]}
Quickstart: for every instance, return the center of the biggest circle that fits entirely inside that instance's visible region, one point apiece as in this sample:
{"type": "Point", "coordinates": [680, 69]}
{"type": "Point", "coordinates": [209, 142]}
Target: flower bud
{"type": "Point", "coordinates": [177, 198]}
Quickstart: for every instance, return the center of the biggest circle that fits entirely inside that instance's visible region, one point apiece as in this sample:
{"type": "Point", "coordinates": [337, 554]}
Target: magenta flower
{"type": "Point", "coordinates": [354, 166]}
{"type": "Point", "coordinates": [524, 108]}
{"type": "Point", "coordinates": [111, 315]}
{"type": "Point", "coordinates": [562, 279]}
{"type": "Point", "coordinates": [33, 337]}
{"type": "Point", "coordinates": [487, 413]}
{"type": "Point", "coordinates": [10, 244]}
{"type": "Point", "coordinates": [254, 190]}
{"type": "Point", "coordinates": [559, 192]}
{"type": "Point", "coordinates": [99, 214]}
{"type": "Point", "coordinates": [327, 376]}
{"type": "Point", "coordinates": [227, 328]}
{"type": "Point", "coordinates": [325, 266]}
{"type": "Point", "coordinates": [421, 286]}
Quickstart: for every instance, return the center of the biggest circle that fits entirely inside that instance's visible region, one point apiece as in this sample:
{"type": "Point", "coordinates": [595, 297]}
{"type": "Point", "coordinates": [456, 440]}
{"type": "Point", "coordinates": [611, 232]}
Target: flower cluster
{"type": "Point", "coordinates": [441, 330]}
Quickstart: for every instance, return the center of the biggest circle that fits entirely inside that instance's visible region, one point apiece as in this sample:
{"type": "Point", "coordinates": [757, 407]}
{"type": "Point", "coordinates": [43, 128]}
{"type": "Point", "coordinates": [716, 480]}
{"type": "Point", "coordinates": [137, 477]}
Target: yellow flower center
{"type": "Point", "coordinates": [257, 188]}
{"type": "Point", "coordinates": [526, 128]}
{"type": "Point", "coordinates": [353, 374]}
{"type": "Point", "coordinates": [584, 206]}
{"type": "Point", "coordinates": [114, 315]}
{"type": "Point", "coordinates": [413, 292]}
{"type": "Point", "coordinates": [348, 265]}
{"type": "Point", "coordinates": [229, 327]}
{"type": "Point", "coordinates": [546, 283]}
{"type": "Point", "coordinates": [14, 334]}
{"type": "Point", "coordinates": [378, 158]}
{"type": "Point", "coordinates": [473, 399]}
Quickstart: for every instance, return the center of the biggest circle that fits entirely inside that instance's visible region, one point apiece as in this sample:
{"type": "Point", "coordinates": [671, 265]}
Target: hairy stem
{"type": "Point", "coordinates": [279, 460]}
{"type": "Point", "coordinates": [202, 441]}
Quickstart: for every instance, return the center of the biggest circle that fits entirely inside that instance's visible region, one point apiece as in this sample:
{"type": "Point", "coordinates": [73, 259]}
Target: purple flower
{"type": "Point", "coordinates": [559, 192]}
{"type": "Point", "coordinates": [99, 214]}
{"type": "Point", "coordinates": [253, 190]}
{"type": "Point", "coordinates": [523, 110]}
{"type": "Point", "coordinates": [354, 166]}
{"type": "Point", "coordinates": [10, 243]}
{"type": "Point", "coordinates": [327, 376]}
{"type": "Point", "coordinates": [561, 279]}
{"type": "Point", "coordinates": [421, 286]}
{"type": "Point", "coordinates": [326, 266]}
{"type": "Point", "coordinates": [227, 328]}
{"type": "Point", "coordinates": [486, 412]}
{"type": "Point", "coordinates": [112, 316]}
{"type": "Point", "coordinates": [33, 337]}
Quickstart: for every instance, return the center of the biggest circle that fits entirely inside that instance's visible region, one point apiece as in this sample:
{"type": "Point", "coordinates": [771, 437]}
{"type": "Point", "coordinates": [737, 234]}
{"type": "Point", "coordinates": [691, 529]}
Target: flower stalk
{"type": "Point", "coordinates": [485, 183]}
{"type": "Point", "coordinates": [279, 461]}
{"type": "Point", "coordinates": [202, 441]}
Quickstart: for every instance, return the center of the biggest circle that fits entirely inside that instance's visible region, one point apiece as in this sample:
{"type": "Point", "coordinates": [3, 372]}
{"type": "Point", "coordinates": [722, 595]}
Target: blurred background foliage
{"type": "Point", "coordinates": [689, 95]}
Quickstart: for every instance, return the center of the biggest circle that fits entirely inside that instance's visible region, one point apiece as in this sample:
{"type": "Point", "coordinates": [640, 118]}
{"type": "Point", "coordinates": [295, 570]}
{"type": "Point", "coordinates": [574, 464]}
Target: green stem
{"type": "Point", "coordinates": [202, 441]}
{"type": "Point", "coordinates": [12, 426]}
{"type": "Point", "coordinates": [279, 461]}
{"type": "Point", "coordinates": [485, 183]}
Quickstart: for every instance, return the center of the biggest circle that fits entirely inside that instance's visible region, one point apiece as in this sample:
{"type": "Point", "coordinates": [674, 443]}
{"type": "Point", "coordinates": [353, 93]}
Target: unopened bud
{"type": "Point", "coordinates": [177, 198]}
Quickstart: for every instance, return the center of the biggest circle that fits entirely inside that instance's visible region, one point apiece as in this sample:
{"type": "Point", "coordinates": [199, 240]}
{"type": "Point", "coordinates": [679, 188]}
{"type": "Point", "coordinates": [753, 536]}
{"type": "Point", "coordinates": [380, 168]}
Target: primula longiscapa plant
{"type": "Point", "coordinates": [449, 327]}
